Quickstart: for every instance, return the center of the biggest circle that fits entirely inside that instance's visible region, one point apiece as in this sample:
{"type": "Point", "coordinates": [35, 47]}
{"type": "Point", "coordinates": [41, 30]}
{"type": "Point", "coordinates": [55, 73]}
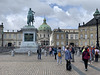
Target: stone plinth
{"type": "Point", "coordinates": [29, 40]}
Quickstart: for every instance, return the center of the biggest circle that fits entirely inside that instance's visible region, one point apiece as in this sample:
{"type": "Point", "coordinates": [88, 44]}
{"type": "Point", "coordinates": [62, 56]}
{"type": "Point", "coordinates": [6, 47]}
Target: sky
{"type": "Point", "coordinates": [66, 14]}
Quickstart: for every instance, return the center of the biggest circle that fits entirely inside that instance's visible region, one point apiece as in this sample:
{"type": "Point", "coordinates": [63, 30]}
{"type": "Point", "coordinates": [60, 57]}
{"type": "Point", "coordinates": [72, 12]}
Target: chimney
{"type": "Point", "coordinates": [7, 30]}
{"type": "Point", "coordinates": [1, 23]}
{"type": "Point", "coordinates": [79, 24]}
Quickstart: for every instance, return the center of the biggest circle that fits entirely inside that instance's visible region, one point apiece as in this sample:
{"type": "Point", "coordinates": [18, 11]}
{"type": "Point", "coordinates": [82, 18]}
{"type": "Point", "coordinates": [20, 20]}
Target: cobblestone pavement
{"type": "Point", "coordinates": [21, 64]}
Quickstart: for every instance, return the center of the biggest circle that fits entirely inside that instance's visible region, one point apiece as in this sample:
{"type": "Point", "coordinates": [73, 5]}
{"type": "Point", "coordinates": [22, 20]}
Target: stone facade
{"type": "Point", "coordinates": [12, 38]}
{"type": "Point", "coordinates": [63, 37]}
{"type": "Point", "coordinates": [46, 37]}
{"type": "Point", "coordinates": [88, 35]}
{"type": "Point", "coordinates": [88, 32]}
{"type": "Point", "coordinates": [1, 34]}
{"type": "Point", "coordinates": [44, 32]}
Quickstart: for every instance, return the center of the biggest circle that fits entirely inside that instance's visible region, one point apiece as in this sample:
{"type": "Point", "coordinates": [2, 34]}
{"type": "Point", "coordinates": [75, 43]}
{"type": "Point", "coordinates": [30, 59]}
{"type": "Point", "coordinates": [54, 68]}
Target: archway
{"type": "Point", "coordinates": [72, 44]}
{"type": "Point", "coordinates": [9, 44]}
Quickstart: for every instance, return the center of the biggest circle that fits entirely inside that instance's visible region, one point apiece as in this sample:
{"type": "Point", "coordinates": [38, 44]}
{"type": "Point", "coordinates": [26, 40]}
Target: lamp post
{"type": "Point", "coordinates": [97, 17]}
{"type": "Point", "coordinates": [2, 38]}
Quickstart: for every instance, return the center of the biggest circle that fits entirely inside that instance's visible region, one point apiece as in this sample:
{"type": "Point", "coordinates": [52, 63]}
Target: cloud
{"type": "Point", "coordinates": [59, 13]}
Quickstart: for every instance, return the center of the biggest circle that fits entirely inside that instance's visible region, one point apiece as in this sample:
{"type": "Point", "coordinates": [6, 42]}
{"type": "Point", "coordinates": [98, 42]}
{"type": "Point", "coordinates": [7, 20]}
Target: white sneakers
{"type": "Point", "coordinates": [85, 69]}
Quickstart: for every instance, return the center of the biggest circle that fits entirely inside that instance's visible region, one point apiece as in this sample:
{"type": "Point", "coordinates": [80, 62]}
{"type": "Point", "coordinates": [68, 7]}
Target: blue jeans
{"type": "Point", "coordinates": [39, 56]}
{"type": "Point", "coordinates": [59, 59]}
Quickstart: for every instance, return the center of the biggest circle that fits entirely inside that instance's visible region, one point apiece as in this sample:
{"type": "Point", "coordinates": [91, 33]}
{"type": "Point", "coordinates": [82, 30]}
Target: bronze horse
{"type": "Point", "coordinates": [30, 17]}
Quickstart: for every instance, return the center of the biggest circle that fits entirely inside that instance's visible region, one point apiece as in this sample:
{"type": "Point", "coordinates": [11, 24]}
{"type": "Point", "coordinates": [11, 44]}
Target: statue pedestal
{"type": "Point", "coordinates": [29, 40]}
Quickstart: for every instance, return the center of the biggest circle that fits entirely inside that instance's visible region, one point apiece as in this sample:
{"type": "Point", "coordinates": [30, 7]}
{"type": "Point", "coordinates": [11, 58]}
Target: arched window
{"type": "Point", "coordinates": [40, 35]}
{"type": "Point", "coordinates": [44, 35]}
{"type": "Point", "coordinates": [48, 35]}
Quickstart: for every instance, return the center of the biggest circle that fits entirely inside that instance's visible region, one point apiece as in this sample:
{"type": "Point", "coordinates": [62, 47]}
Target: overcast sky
{"type": "Point", "coordinates": [59, 13]}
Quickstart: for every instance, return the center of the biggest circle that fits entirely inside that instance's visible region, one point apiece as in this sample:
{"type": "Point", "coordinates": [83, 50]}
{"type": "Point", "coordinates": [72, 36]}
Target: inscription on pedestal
{"type": "Point", "coordinates": [28, 37]}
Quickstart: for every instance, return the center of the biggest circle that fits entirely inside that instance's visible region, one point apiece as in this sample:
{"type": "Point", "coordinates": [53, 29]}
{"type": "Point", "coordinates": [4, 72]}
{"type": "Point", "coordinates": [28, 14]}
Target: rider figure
{"type": "Point", "coordinates": [30, 16]}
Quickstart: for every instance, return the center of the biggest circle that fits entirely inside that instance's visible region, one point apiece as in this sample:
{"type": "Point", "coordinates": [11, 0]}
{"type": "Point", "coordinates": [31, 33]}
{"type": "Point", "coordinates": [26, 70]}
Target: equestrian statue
{"type": "Point", "coordinates": [30, 17]}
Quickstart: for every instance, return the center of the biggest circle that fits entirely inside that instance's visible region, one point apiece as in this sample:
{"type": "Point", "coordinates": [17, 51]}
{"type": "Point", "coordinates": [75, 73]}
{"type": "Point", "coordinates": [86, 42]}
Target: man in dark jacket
{"type": "Point", "coordinates": [73, 52]}
{"type": "Point", "coordinates": [39, 52]}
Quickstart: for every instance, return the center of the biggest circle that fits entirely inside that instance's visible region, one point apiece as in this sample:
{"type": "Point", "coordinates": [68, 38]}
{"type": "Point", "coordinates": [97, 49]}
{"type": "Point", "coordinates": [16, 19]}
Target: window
{"type": "Point", "coordinates": [81, 36]}
{"type": "Point", "coordinates": [57, 43]}
{"type": "Point", "coordinates": [71, 36]}
{"type": "Point", "coordinates": [5, 36]}
{"type": "Point", "coordinates": [91, 29]}
{"type": "Point", "coordinates": [19, 43]}
{"type": "Point", "coordinates": [81, 43]}
{"type": "Point", "coordinates": [62, 37]}
{"type": "Point", "coordinates": [67, 36]}
{"type": "Point", "coordinates": [57, 36]}
{"type": "Point", "coordinates": [9, 36]}
{"type": "Point", "coordinates": [76, 36]}
{"type": "Point", "coordinates": [85, 36]}
{"type": "Point", "coordinates": [85, 43]}
{"type": "Point", "coordinates": [48, 35]}
{"type": "Point", "coordinates": [62, 43]}
{"type": "Point", "coordinates": [96, 35]}
{"type": "Point", "coordinates": [19, 36]}
{"type": "Point", "coordinates": [91, 43]}
{"type": "Point", "coordinates": [44, 35]}
{"type": "Point", "coordinates": [76, 43]}
{"type": "Point", "coordinates": [14, 36]}
{"type": "Point", "coordinates": [40, 35]}
{"type": "Point", "coordinates": [91, 36]}
{"type": "Point", "coordinates": [14, 43]}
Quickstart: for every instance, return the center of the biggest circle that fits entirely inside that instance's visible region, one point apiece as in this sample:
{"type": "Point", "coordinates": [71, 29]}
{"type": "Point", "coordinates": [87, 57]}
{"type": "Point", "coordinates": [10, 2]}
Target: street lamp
{"type": "Point", "coordinates": [97, 17]}
{"type": "Point", "coordinates": [2, 38]}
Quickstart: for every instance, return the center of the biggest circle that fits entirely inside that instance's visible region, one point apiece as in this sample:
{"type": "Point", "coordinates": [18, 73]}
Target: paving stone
{"type": "Point", "coordinates": [25, 65]}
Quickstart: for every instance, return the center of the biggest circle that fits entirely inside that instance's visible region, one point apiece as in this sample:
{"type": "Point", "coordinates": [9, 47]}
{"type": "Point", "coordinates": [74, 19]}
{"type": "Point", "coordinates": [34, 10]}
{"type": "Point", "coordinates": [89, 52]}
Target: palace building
{"type": "Point", "coordinates": [45, 36]}
{"type": "Point", "coordinates": [88, 32]}
{"type": "Point", "coordinates": [63, 37]}
{"type": "Point", "coordinates": [44, 32]}
{"type": "Point", "coordinates": [10, 38]}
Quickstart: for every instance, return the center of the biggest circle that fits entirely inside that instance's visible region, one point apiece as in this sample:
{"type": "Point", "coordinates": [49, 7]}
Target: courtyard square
{"type": "Point", "coordinates": [22, 64]}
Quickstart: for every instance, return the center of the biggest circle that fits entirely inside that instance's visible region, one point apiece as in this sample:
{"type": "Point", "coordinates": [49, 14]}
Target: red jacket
{"type": "Point", "coordinates": [85, 55]}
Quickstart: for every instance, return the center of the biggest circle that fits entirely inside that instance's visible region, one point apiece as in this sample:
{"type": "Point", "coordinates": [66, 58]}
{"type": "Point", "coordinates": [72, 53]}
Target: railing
{"type": "Point", "coordinates": [6, 49]}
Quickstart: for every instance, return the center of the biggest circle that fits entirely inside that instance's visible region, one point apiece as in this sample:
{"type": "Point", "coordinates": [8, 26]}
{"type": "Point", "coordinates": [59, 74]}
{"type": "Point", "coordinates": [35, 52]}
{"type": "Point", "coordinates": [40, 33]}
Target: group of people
{"type": "Point", "coordinates": [69, 55]}
{"type": "Point", "coordinates": [89, 54]}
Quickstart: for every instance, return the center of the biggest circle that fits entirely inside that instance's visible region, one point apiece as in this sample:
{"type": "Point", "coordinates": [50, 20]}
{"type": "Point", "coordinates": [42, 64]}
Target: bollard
{"type": "Point", "coordinates": [12, 53]}
{"type": "Point", "coordinates": [45, 53]}
{"type": "Point", "coordinates": [78, 52]}
{"type": "Point", "coordinates": [29, 53]}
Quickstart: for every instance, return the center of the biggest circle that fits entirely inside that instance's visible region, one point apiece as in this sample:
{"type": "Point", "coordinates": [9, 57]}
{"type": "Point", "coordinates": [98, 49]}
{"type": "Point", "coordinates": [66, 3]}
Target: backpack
{"type": "Point", "coordinates": [85, 55]}
{"type": "Point", "coordinates": [59, 54]}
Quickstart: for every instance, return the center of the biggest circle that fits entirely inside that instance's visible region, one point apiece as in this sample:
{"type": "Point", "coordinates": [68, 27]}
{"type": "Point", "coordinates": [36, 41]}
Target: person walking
{"type": "Point", "coordinates": [59, 56]}
{"type": "Point", "coordinates": [50, 51]}
{"type": "Point", "coordinates": [55, 52]}
{"type": "Point", "coordinates": [68, 58]}
{"type": "Point", "coordinates": [90, 52]}
{"type": "Point", "coordinates": [39, 52]}
{"type": "Point", "coordinates": [85, 58]}
{"type": "Point", "coordinates": [93, 53]}
{"type": "Point", "coordinates": [73, 52]}
{"type": "Point", "coordinates": [96, 54]}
